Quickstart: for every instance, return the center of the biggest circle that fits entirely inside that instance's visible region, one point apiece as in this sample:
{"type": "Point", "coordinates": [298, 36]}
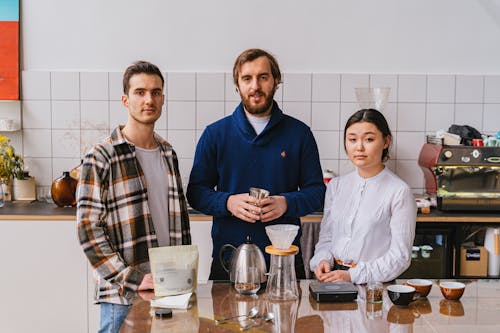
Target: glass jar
{"type": "Point", "coordinates": [374, 292]}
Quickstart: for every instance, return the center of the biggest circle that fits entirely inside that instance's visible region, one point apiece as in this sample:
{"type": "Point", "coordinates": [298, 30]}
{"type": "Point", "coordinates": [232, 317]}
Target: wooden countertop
{"type": "Point", "coordinates": [477, 310]}
{"type": "Point", "coordinates": [36, 210]}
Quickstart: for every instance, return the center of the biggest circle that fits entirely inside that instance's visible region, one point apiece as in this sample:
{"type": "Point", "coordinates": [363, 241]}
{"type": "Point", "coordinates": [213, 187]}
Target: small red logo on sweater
{"type": "Point", "coordinates": [283, 154]}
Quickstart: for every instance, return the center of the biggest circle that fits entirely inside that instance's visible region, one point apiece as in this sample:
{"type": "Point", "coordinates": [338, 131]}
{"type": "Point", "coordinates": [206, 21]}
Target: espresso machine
{"type": "Point", "coordinates": [462, 177]}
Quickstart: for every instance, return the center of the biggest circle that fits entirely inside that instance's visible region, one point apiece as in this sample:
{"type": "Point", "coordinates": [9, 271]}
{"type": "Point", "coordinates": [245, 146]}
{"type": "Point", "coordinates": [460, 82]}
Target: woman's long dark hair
{"type": "Point", "coordinates": [371, 116]}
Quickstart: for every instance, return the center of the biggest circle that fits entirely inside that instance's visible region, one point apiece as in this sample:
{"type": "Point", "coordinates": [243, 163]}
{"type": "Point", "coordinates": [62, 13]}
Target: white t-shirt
{"type": "Point", "coordinates": [370, 222]}
{"type": "Point", "coordinates": [156, 172]}
{"type": "Point", "coordinates": [258, 123]}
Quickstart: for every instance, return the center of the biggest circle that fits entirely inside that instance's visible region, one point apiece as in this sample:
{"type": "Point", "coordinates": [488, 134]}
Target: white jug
{"type": "Point", "coordinates": [492, 244]}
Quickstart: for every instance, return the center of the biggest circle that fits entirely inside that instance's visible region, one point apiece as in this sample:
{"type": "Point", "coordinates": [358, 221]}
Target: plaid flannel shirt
{"type": "Point", "coordinates": [115, 227]}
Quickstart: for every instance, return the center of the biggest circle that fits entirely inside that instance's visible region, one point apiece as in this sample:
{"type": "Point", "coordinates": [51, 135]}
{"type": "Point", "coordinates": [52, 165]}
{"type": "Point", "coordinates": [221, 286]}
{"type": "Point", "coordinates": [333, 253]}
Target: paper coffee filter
{"type": "Point", "coordinates": [282, 235]}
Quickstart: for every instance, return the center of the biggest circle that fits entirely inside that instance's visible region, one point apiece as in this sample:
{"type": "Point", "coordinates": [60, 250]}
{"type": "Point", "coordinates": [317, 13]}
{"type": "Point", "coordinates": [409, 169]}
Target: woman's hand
{"type": "Point", "coordinates": [325, 274]}
{"type": "Point", "coordinates": [322, 269]}
{"type": "Point", "coordinates": [336, 276]}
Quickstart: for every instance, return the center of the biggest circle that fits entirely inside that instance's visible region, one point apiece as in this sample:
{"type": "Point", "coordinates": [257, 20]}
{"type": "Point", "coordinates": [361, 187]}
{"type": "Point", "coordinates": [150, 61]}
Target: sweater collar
{"type": "Point", "coordinates": [244, 125]}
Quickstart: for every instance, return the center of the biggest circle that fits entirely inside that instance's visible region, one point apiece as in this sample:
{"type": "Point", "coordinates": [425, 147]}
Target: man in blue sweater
{"type": "Point", "coordinates": [256, 146]}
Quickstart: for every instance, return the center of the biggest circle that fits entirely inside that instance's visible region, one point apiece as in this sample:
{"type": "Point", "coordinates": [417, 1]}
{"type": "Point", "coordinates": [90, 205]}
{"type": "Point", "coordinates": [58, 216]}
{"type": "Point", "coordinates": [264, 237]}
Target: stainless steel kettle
{"type": "Point", "coordinates": [246, 255]}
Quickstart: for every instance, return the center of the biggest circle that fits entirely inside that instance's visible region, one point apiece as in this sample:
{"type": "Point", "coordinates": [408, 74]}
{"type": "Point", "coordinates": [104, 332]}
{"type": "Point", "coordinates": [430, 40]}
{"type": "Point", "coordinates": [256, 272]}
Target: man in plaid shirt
{"type": "Point", "coordinates": [130, 198]}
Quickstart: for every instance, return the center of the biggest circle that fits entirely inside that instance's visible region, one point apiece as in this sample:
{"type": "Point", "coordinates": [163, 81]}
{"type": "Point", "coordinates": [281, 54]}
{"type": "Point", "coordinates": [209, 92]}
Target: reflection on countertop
{"type": "Point", "coordinates": [477, 310]}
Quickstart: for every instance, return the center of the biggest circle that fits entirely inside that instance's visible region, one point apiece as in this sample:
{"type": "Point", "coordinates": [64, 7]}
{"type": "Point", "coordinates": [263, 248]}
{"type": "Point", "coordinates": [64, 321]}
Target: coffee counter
{"type": "Point", "coordinates": [47, 211]}
{"type": "Point", "coordinates": [477, 310]}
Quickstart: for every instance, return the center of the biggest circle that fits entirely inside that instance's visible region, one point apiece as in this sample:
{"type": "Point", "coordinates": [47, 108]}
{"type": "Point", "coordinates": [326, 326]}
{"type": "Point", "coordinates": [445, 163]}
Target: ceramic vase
{"type": "Point", "coordinates": [63, 190]}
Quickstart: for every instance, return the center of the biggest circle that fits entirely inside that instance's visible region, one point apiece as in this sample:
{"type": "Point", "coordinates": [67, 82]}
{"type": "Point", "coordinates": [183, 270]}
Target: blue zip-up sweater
{"type": "Point", "coordinates": [230, 158]}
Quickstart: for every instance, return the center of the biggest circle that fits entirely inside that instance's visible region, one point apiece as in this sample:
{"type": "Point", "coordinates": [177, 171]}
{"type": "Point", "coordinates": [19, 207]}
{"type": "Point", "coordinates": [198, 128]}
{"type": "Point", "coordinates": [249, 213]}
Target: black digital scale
{"type": "Point", "coordinates": [333, 291]}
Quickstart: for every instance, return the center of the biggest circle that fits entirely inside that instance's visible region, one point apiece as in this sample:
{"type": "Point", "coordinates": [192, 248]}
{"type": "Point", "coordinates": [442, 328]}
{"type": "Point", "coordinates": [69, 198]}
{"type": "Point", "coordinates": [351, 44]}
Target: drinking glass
{"type": "Point", "coordinates": [374, 291]}
{"type": "Point", "coordinates": [247, 280]}
{"type": "Point", "coordinates": [2, 197]}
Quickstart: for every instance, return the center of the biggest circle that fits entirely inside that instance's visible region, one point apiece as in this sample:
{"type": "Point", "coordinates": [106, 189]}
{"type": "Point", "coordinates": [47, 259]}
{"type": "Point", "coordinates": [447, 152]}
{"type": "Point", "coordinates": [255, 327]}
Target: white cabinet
{"type": "Point", "coordinates": [46, 283]}
{"type": "Point", "coordinates": [43, 278]}
{"type": "Point", "coordinates": [201, 236]}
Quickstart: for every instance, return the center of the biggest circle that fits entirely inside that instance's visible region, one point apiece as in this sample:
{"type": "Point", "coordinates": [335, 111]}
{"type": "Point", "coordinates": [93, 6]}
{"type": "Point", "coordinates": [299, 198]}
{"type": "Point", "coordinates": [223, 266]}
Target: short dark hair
{"type": "Point", "coordinates": [371, 116]}
{"type": "Point", "coordinates": [140, 67]}
{"type": "Point", "coordinates": [251, 55]}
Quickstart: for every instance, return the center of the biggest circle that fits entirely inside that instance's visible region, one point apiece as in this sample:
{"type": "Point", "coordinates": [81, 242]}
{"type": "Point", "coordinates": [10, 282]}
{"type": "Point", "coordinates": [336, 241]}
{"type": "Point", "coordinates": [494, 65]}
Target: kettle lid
{"type": "Point", "coordinates": [248, 240]}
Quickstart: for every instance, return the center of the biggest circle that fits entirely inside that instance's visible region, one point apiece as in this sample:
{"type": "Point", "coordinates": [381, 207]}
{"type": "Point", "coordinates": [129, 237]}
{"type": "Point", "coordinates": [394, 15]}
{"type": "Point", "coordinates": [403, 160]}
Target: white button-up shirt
{"type": "Point", "coordinates": [369, 222]}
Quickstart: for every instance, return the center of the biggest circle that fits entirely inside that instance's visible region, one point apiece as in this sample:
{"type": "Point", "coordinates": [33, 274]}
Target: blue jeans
{"type": "Point", "coordinates": [112, 317]}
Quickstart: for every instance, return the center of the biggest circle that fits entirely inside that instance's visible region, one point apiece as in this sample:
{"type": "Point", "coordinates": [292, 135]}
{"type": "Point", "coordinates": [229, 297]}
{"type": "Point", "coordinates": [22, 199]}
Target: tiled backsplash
{"type": "Point", "coordinates": [64, 113]}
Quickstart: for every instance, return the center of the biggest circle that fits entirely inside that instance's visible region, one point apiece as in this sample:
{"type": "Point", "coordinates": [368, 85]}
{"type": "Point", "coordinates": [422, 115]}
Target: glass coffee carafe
{"type": "Point", "coordinates": [282, 281]}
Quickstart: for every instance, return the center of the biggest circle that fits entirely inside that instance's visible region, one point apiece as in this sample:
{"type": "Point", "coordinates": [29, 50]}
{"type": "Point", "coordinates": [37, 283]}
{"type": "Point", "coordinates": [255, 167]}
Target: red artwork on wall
{"type": "Point", "coordinates": [9, 50]}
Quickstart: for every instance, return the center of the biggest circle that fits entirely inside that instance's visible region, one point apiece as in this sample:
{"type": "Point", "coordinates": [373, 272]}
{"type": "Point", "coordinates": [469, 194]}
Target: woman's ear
{"type": "Point", "coordinates": [387, 141]}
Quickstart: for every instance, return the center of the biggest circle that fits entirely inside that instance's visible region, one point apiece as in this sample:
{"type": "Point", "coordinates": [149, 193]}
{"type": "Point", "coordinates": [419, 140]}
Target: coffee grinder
{"type": "Point", "coordinates": [282, 281]}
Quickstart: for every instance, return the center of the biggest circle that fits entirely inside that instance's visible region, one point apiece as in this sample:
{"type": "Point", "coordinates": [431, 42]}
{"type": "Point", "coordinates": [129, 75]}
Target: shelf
{"type": "Point", "coordinates": [10, 116]}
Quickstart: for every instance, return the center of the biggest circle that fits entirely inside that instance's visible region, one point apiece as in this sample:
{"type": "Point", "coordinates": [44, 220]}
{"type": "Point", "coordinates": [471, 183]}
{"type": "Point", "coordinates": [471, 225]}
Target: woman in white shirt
{"type": "Point", "coordinates": [368, 225]}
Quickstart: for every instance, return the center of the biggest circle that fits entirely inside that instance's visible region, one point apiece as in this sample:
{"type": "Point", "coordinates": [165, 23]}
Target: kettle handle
{"type": "Point", "coordinates": [222, 251]}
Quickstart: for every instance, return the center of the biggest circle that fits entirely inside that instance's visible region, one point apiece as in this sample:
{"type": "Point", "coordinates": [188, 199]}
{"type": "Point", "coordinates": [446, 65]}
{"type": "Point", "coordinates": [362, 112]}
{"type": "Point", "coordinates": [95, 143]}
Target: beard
{"type": "Point", "coordinates": [258, 109]}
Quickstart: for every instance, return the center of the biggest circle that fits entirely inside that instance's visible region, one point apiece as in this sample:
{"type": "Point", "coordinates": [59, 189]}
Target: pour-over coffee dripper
{"type": "Point", "coordinates": [282, 235]}
{"type": "Point", "coordinates": [372, 98]}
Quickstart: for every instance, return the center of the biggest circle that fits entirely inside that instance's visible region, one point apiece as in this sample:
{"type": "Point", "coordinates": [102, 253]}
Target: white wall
{"type": "Point", "coordinates": [383, 36]}
{"type": "Point", "coordinates": [74, 54]}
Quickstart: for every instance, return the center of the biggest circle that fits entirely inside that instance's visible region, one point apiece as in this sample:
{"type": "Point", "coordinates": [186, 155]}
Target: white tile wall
{"type": "Point", "coordinates": [64, 110]}
{"type": "Point", "coordinates": [94, 115]}
{"type": "Point", "coordinates": [183, 141]}
{"type": "Point", "coordinates": [181, 86]}
{"type": "Point", "coordinates": [181, 115]}
{"type": "Point", "coordinates": [325, 87]}
{"type": "Point", "coordinates": [441, 88]}
{"type": "Point", "coordinates": [115, 86]}
{"type": "Point", "coordinates": [36, 114]}
{"type": "Point", "coordinates": [41, 168]}
{"type": "Point", "coordinates": [412, 88]}
{"type": "Point", "coordinates": [35, 85]}
{"type": "Point", "coordinates": [391, 115]}
{"type": "Point", "coordinates": [162, 122]}
{"type": "Point", "coordinates": [469, 89]}
{"type": "Point", "coordinates": [65, 114]}
{"type": "Point", "coordinates": [208, 112]}
{"type": "Point", "coordinates": [231, 94]}
{"type": "Point", "coordinates": [328, 143]}
{"type": "Point", "coordinates": [411, 117]}
{"type": "Point", "coordinates": [37, 143]}
{"type": "Point", "coordinates": [325, 116]}
{"type": "Point", "coordinates": [491, 89]}
{"type": "Point", "coordinates": [210, 86]}
{"type": "Point", "coordinates": [350, 81]}
{"type": "Point", "coordinates": [117, 114]}
{"type": "Point", "coordinates": [439, 116]}
{"type": "Point", "coordinates": [299, 110]}
{"type": "Point", "coordinates": [89, 137]}
{"type": "Point", "coordinates": [94, 86]}
{"type": "Point", "coordinates": [386, 81]}
{"type": "Point", "coordinates": [296, 87]}
{"type": "Point", "coordinates": [65, 86]}
{"type": "Point", "coordinates": [469, 114]}
{"type": "Point", "coordinates": [491, 118]}
{"type": "Point", "coordinates": [66, 143]}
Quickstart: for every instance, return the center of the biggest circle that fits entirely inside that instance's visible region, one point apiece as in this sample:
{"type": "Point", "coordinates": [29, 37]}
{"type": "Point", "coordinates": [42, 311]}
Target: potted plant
{"type": "Point", "coordinates": [12, 174]}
